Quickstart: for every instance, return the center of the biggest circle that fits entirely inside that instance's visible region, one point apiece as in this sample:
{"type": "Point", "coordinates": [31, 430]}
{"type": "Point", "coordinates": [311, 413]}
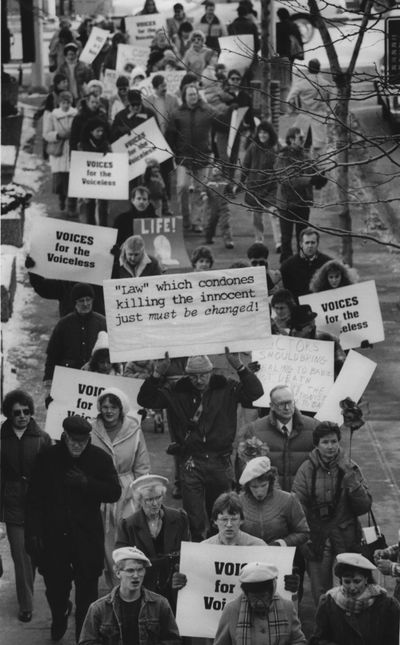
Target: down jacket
{"type": "Point", "coordinates": [332, 497]}
{"type": "Point", "coordinates": [189, 134]}
{"type": "Point", "coordinates": [215, 431]}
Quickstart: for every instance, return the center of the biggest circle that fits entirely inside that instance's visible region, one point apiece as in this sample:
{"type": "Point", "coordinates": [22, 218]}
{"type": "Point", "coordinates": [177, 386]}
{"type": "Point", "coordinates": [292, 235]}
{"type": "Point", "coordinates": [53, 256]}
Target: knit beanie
{"type": "Point", "coordinates": [198, 365]}
{"type": "Point", "coordinates": [81, 290]}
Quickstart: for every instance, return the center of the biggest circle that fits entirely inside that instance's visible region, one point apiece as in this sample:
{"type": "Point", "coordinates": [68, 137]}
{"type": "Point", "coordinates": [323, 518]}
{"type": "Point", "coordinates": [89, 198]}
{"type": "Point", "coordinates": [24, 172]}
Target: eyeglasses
{"type": "Point", "coordinates": [153, 500]}
{"type": "Point", "coordinates": [18, 413]}
{"type": "Point", "coordinates": [227, 520]}
{"type": "Point", "coordinates": [283, 404]}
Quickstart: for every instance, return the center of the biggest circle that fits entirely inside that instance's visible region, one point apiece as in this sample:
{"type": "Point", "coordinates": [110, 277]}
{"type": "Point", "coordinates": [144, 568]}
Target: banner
{"type": "Point", "coordinates": [354, 308]}
{"type": "Point", "coordinates": [94, 45]}
{"type": "Point", "coordinates": [187, 313]}
{"type": "Point", "coordinates": [76, 392]}
{"type": "Point", "coordinates": [109, 82]}
{"type": "Point", "coordinates": [305, 365]}
{"type": "Point", "coordinates": [236, 51]}
{"type": "Point", "coordinates": [212, 572]}
{"type": "Point", "coordinates": [142, 29]}
{"type": "Point", "coordinates": [144, 141]}
{"type": "Point", "coordinates": [65, 250]}
{"type": "Point", "coordinates": [352, 381]}
{"type": "Point", "coordinates": [132, 54]}
{"type": "Point", "coordinates": [97, 176]}
{"type": "Point", "coordinates": [163, 238]}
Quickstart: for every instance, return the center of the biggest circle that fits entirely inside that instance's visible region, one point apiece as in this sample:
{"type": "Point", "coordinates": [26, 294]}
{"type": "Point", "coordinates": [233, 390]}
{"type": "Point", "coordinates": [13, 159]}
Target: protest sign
{"type": "Point", "coordinates": [64, 250]}
{"type": "Point", "coordinates": [187, 313]}
{"type": "Point", "coordinates": [97, 176]}
{"type": "Point", "coordinates": [237, 117]}
{"type": "Point", "coordinates": [163, 237]}
{"type": "Point", "coordinates": [94, 45]}
{"type": "Point", "coordinates": [76, 391]}
{"type": "Point", "coordinates": [109, 82]}
{"type": "Point", "coordinates": [354, 377]}
{"type": "Point", "coordinates": [304, 364]}
{"type": "Point", "coordinates": [212, 572]}
{"type": "Point", "coordinates": [236, 51]}
{"type": "Point", "coordinates": [355, 308]}
{"type": "Point", "coordinates": [142, 29]}
{"type": "Point", "coordinates": [144, 141]}
{"type": "Point", "coordinates": [133, 55]}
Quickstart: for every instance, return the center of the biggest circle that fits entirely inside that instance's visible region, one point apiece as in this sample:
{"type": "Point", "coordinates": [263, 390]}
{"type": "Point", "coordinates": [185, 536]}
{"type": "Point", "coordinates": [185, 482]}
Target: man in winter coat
{"type": "Point", "coordinates": [202, 409]}
{"type": "Point", "coordinates": [130, 613]}
{"type": "Point", "coordinates": [73, 338]}
{"type": "Point", "coordinates": [63, 526]}
{"type": "Point", "coordinates": [21, 441]}
{"type": "Point", "coordinates": [133, 115]}
{"type": "Point", "coordinates": [189, 135]}
{"type": "Point", "coordinates": [211, 26]}
{"type": "Point", "coordinates": [298, 270]}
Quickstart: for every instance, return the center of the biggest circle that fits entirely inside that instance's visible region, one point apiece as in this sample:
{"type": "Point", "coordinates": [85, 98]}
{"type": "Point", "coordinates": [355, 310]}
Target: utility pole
{"type": "Point", "coordinates": [37, 66]}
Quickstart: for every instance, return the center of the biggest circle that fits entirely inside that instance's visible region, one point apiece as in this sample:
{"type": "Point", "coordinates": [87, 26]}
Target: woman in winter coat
{"type": "Point", "coordinates": [56, 131]}
{"type": "Point", "coordinates": [333, 493]}
{"type": "Point", "coordinates": [271, 514]}
{"type": "Point", "coordinates": [21, 441]}
{"type": "Point", "coordinates": [332, 275]}
{"type": "Point", "coordinates": [95, 138]}
{"type": "Point", "coordinates": [116, 430]}
{"type": "Point", "coordinates": [358, 611]}
{"type": "Point", "coordinates": [258, 175]}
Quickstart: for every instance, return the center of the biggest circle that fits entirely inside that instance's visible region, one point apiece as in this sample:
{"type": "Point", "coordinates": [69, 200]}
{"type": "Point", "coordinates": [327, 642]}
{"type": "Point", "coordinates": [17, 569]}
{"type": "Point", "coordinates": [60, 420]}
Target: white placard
{"type": "Point", "coordinates": [354, 377]}
{"type": "Point", "coordinates": [97, 176]}
{"type": "Point", "coordinates": [236, 51]}
{"type": "Point", "coordinates": [212, 572]}
{"type": "Point", "coordinates": [64, 250]}
{"type": "Point", "coordinates": [76, 392]}
{"type": "Point", "coordinates": [305, 365]}
{"type": "Point", "coordinates": [134, 54]}
{"type": "Point", "coordinates": [187, 313]}
{"type": "Point", "coordinates": [355, 308]}
{"type": "Point", "coordinates": [142, 29]}
{"type": "Point", "coordinates": [144, 141]}
{"type": "Point", "coordinates": [109, 82]}
{"type": "Point", "coordinates": [94, 45]}
{"type": "Point", "coordinates": [237, 117]}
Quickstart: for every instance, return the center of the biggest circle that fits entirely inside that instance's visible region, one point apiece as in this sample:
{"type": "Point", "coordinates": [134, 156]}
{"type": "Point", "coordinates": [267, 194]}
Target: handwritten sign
{"type": "Point", "coordinates": [94, 45]}
{"type": "Point", "coordinates": [76, 392]}
{"type": "Point", "coordinates": [199, 313]}
{"type": "Point", "coordinates": [97, 176]}
{"type": "Point", "coordinates": [144, 141]}
{"type": "Point", "coordinates": [305, 365]}
{"type": "Point", "coordinates": [236, 51]}
{"type": "Point", "coordinates": [142, 29]}
{"type": "Point", "coordinates": [353, 379]}
{"type": "Point", "coordinates": [354, 308]}
{"type": "Point", "coordinates": [71, 251]}
{"type": "Point", "coordinates": [212, 572]}
{"type": "Point", "coordinates": [163, 238]}
{"type": "Point", "coordinates": [134, 55]}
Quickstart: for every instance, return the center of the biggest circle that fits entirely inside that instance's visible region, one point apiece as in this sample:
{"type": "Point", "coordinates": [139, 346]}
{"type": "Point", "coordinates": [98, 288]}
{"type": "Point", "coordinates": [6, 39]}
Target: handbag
{"type": "Point", "coordinates": [55, 148]}
{"type": "Point", "coordinates": [369, 547]}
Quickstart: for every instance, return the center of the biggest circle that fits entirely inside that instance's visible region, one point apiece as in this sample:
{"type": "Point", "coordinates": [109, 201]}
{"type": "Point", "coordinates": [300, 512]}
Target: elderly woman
{"type": "Point", "coordinates": [333, 493]}
{"type": "Point", "coordinates": [271, 514]}
{"type": "Point", "coordinates": [358, 611]}
{"type": "Point", "coordinates": [157, 530]}
{"type": "Point", "coordinates": [21, 441]}
{"type": "Point", "coordinates": [332, 275]}
{"type": "Point", "coordinates": [116, 430]}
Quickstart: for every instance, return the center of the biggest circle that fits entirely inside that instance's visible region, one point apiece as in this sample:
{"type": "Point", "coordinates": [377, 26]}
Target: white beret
{"type": "Point", "coordinates": [254, 468]}
{"type": "Point", "coordinates": [148, 480]}
{"type": "Point", "coordinates": [258, 572]}
{"type": "Point", "coordinates": [130, 553]}
{"type": "Point", "coordinates": [355, 560]}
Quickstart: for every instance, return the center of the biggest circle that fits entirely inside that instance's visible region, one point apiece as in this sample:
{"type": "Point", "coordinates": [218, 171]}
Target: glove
{"type": "Point", "coordinates": [179, 580]}
{"type": "Point", "coordinates": [366, 345]}
{"type": "Point", "coordinates": [115, 251]}
{"type": "Point", "coordinates": [49, 399]}
{"type": "Point", "coordinates": [29, 262]}
{"type": "Point", "coordinates": [162, 366]}
{"type": "Point", "coordinates": [292, 582]}
{"type": "Point", "coordinates": [384, 566]}
{"type": "Point", "coordinates": [75, 478]}
{"type": "Point", "coordinates": [254, 366]}
{"type": "Point", "coordinates": [380, 554]}
{"type": "Point", "coordinates": [233, 359]}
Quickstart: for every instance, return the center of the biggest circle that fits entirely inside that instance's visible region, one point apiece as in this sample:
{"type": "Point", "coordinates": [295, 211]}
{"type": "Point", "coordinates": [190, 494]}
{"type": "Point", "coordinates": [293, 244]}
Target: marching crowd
{"type": "Point", "coordinates": [90, 503]}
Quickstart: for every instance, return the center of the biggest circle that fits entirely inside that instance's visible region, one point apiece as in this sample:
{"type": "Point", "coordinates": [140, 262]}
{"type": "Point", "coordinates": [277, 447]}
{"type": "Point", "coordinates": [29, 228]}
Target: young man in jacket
{"type": "Point", "coordinates": [63, 527]}
{"type": "Point", "coordinates": [130, 613]}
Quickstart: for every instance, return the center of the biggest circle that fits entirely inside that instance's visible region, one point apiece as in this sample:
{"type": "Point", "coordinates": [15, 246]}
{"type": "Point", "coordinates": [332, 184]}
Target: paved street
{"type": "Point", "coordinates": [376, 447]}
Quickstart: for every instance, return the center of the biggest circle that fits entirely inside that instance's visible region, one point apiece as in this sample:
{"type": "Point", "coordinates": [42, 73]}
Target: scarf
{"type": "Point", "coordinates": [277, 619]}
{"type": "Point", "coordinates": [356, 605]}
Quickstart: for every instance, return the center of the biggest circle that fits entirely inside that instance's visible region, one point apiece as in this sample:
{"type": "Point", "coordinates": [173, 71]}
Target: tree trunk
{"type": "Point", "coordinates": [265, 60]}
{"type": "Point", "coordinates": [343, 141]}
